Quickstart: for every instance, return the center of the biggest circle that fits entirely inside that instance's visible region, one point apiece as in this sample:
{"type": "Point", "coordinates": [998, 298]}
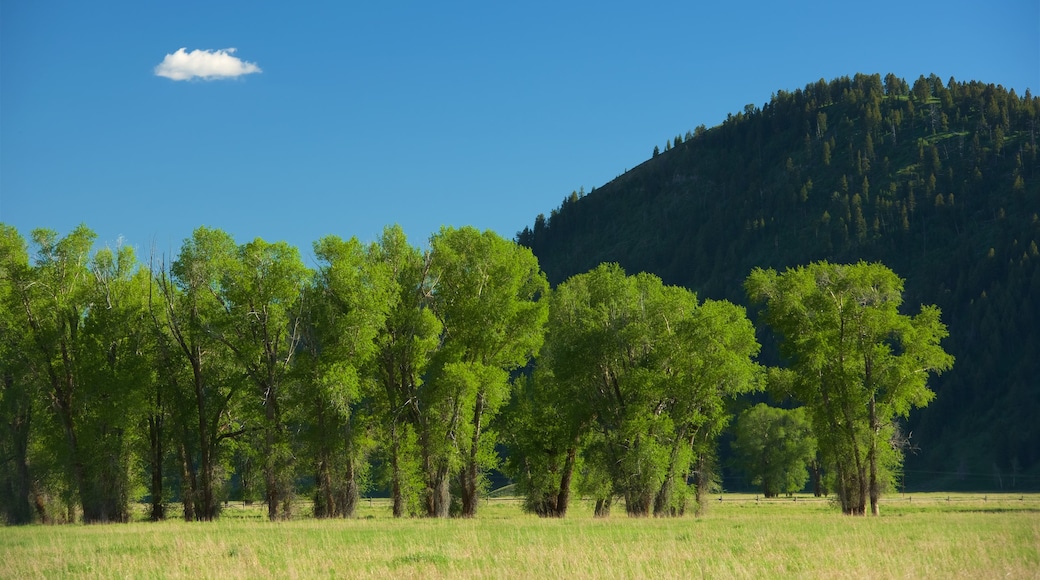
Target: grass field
{"type": "Point", "coordinates": [920, 536]}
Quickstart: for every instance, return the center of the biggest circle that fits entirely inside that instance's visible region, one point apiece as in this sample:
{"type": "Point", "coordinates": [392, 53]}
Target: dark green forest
{"type": "Point", "coordinates": [936, 179]}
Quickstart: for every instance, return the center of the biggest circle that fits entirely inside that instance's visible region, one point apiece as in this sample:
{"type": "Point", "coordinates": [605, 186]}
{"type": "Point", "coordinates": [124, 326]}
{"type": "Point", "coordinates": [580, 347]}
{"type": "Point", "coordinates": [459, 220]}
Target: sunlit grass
{"type": "Point", "coordinates": [920, 536]}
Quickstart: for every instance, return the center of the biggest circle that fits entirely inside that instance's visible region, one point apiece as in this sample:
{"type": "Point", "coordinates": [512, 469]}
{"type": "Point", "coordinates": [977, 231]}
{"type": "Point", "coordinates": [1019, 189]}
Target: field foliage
{"type": "Point", "coordinates": [920, 536]}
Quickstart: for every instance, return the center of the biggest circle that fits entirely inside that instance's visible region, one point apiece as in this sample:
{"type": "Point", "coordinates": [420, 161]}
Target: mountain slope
{"type": "Point", "coordinates": [939, 181]}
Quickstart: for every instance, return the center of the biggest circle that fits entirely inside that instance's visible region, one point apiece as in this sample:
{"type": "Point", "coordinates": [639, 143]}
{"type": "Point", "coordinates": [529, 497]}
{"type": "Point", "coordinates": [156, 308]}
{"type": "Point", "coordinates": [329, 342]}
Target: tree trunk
{"type": "Point", "coordinates": [767, 489]}
{"type": "Point", "coordinates": [872, 458]}
{"type": "Point", "coordinates": [324, 502]}
{"type": "Point", "coordinates": [20, 511]}
{"type": "Point", "coordinates": [603, 507]}
{"type": "Point", "coordinates": [273, 495]}
{"type": "Point", "coordinates": [277, 495]}
{"type": "Point", "coordinates": [817, 477]}
{"type": "Point", "coordinates": [470, 491]}
{"type": "Point", "coordinates": [538, 501]}
{"type": "Point", "coordinates": [40, 506]}
{"type": "Point", "coordinates": [86, 495]}
{"type": "Point", "coordinates": [395, 469]}
{"type": "Point", "coordinates": [564, 496]}
{"type": "Point", "coordinates": [441, 494]}
{"type": "Point", "coordinates": [859, 505]}
{"type": "Point", "coordinates": [63, 387]}
{"type": "Point", "coordinates": [699, 494]}
{"type": "Point", "coordinates": [844, 483]}
{"type": "Point", "coordinates": [429, 493]}
{"type": "Point", "coordinates": [861, 500]}
{"type": "Point", "coordinates": [638, 503]}
{"type": "Point", "coordinates": [188, 484]}
{"type": "Point", "coordinates": [203, 492]}
{"type": "Point", "coordinates": [155, 439]}
{"type": "Point", "coordinates": [351, 492]}
{"type": "Point", "coordinates": [663, 500]}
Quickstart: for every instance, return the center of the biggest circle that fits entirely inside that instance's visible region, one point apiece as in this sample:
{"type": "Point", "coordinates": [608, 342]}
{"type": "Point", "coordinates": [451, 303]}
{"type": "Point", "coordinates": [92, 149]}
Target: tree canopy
{"type": "Point", "coordinates": [858, 363]}
{"type": "Point", "coordinates": [634, 381]}
{"type": "Point", "coordinates": [774, 447]}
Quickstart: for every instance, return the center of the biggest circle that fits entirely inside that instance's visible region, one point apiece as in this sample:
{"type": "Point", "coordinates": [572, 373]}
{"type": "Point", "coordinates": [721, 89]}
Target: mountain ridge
{"type": "Point", "coordinates": [938, 180]}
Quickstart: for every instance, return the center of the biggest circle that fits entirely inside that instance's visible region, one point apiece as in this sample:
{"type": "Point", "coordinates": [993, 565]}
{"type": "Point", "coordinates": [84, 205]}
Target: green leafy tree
{"type": "Point", "coordinates": [81, 316]}
{"type": "Point", "coordinates": [630, 315]}
{"type": "Point", "coordinates": [544, 429]}
{"type": "Point", "coordinates": [489, 297]}
{"type": "Point", "coordinates": [636, 374]}
{"type": "Point", "coordinates": [259, 322]}
{"type": "Point", "coordinates": [54, 300]}
{"type": "Point", "coordinates": [859, 364]}
{"type": "Point", "coordinates": [205, 398]}
{"type": "Point", "coordinates": [712, 362]}
{"type": "Point", "coordinates": [18, 393]}
{"type": "Point", "coordinates": [168, 373]}
{"type": "Point", "coordinates": [774, 447]}
{"type": "Point", "coordinates": [550, 423]}
{"type": "Point", "coordinates": [118, 373]}
{"type": "Point", "coordinates": [344, 309]}
{"type": "Point", "coordinates": [575, 378]}
{"type": "Point", "coordinates": [405, 345]}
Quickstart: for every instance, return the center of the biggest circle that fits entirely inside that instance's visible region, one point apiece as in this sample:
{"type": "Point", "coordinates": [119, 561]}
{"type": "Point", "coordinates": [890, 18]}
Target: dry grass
{"type": "Point", "coordinates": [926, 537]}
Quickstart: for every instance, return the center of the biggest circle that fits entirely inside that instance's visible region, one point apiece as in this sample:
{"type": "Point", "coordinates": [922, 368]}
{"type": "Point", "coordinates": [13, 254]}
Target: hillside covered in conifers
{"type": "Point", "coordinates": [939, 180]}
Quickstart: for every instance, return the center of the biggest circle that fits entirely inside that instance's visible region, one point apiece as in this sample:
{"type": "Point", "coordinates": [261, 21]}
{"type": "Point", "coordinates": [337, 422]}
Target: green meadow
{"type": "Point", "coordinates": [919, 536]}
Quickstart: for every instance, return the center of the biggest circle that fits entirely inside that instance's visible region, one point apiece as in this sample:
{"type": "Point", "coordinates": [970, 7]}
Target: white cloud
{"type": "Point", "coordinates": [204, 64]}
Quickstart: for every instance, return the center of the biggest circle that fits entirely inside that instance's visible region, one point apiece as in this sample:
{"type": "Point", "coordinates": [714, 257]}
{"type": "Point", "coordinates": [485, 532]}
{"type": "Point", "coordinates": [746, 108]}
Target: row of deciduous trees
{"type": "Point", "coordinates": [387, 363]}
{"type": "Point", "coordinates": [630, 392]}
{"type": "Point", "coordinates": [236, 360]}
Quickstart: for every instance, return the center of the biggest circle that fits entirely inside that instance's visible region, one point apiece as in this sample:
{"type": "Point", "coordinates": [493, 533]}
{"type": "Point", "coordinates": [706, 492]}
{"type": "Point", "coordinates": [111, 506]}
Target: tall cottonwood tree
{"type": "Point", "coordinates": [189, 309]}
{"type": "Point", "coordinates": [54, 300]}
{"type": "Point", "coordinates": [489, 296]}
{"type": "Point", "coordinates": [260, 294]}
{"type": "Point", "coordinates": [82, 314]}
{"type": "Point", "coordinates": [405, 345]}
{"type": "Point", "coordinates": [345, 307]}
{"type": "Point", "coordinates": [710, 362]}
{"type": "Point", "coordinates": [162, 392]}
{"type": "Point", "coordinates": [550, 422]}
{"type": "Point", "coordinates": [596, 354]}
{"type": "Point", "coordinates": [18, 395]}
{"type": "Point", "coordinates": [117, 363]}
{"type": "Point", "coordinates": [545, 427]}
{"type": "Point", "coordinates": [859, 363]}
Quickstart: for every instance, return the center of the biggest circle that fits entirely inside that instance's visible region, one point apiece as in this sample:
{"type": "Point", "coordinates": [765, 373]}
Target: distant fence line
{"type": "Point", "coordinates": [925, 497]}
{"type": "Point", "coordinates": [907, 498]}
{"type": "Point", "coordinates": [929, 481]}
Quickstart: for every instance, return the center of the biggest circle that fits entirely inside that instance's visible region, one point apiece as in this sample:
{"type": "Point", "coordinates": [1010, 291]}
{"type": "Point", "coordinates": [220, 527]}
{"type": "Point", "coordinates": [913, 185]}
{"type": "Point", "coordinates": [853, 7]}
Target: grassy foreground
{"type": "Point", "coordinates": [926, 536]}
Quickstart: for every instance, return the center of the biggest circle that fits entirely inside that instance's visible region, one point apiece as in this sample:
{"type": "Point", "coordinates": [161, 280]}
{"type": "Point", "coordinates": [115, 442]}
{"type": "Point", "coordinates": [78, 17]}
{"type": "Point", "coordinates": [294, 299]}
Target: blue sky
{"type": "Point", "coordinates": [423, 114]}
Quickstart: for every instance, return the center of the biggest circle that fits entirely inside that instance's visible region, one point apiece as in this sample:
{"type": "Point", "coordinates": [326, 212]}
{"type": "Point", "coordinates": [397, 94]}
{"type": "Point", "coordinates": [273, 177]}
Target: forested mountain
{"type": "Point", "coordinates": [937, 180]}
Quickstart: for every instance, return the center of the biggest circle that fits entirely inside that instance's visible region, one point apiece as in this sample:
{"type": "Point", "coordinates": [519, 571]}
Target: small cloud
{"type": "Point", "coordinates": [204, 64]}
